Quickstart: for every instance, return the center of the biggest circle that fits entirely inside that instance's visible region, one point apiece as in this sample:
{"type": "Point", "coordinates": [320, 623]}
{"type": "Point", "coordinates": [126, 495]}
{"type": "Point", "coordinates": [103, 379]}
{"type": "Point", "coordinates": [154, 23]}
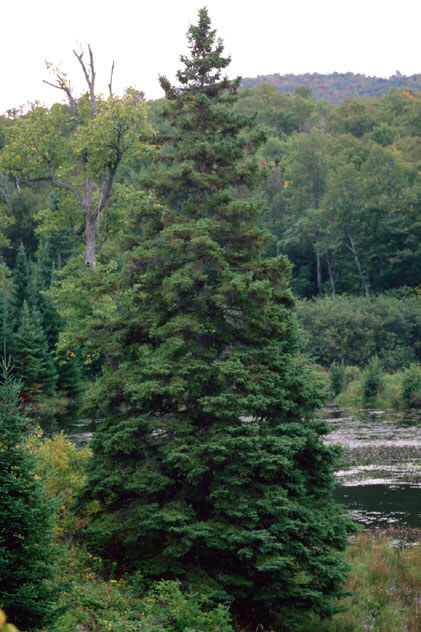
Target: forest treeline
{"type": "Point", "coordinates": [342, 189]}
{"type": "Point", "coordinates": [336, 86]}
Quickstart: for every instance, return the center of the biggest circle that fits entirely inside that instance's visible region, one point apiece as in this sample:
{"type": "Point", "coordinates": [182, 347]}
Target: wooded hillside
{"type": "Point", "coordinates": [336, 87]}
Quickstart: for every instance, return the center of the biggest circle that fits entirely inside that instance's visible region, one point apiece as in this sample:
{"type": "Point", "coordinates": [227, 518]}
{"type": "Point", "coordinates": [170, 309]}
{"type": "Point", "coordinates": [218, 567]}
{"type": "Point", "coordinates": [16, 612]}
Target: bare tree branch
{"type": "Point", "coordinates": [79, 231]}
{"type": "Point", "coordinates": [110, 85]}
{"type": "Point", "coordinates": [107, 187]}
{"type": "Point", "coordinates": [89, 76]}
{"type": "Point", "coordinates": [63, 185]}
{"type": "Point", "coordinates": [4, 194]}
{"type": "Point", "coordinates": [62, 85]}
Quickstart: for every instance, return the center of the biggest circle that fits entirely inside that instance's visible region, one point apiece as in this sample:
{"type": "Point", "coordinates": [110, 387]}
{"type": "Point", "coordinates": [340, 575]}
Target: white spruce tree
{"type": "Point", "coordinates": [210, 466]}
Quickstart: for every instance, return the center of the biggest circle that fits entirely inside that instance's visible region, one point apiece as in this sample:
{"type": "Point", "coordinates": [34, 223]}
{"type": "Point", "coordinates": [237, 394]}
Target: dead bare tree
{"type": "Point", "coordinates": [85, 196]}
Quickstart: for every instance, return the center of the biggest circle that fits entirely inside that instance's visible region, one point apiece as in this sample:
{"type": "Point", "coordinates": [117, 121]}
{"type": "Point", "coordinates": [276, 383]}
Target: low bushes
{"type": "Point", "coordinates": [373, 387]}
{"type": "Point", "coordinates": [411, 386]}
{"type": "Point", "coordinates": [372, 379]}
{"type": "Point", "coordinates": [92, 603]}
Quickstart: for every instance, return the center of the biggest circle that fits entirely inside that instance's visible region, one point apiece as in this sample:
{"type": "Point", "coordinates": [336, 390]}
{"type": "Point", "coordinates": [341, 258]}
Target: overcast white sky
{"type": "Point", "coordinates": [145, 38]}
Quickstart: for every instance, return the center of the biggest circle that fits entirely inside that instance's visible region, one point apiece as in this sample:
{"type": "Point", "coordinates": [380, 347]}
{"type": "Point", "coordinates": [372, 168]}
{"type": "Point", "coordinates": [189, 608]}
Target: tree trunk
{"type": "Point", "coordinates": [90, 241]}
{"type": "Point", "coordinates": [90, 218]}
{"type": "Point", "coordinates": [330, 270]}
{"type": "Point", "coordinates": [319, 273]}
{"type": "Point", "coordinates": [318, 262]}
{"type": "Point", "coordinates": [357, 263]}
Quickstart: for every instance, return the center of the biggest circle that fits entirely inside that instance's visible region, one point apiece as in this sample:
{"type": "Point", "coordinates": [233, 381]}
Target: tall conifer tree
{"type": "Point", "coordinates": [34, 364]}
{"type": "Point", "coordinates": [26, 522]}
{"type": "Point", "coordinates": [23, 280]}
{"type": "Point", "coordinates": [210, 466]}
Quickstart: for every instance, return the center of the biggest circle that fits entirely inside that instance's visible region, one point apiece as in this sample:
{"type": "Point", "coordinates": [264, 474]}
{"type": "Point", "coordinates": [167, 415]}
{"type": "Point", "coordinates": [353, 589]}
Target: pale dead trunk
{"type": "Point", "coordinates": [357, 263]}
{"type": "Point", "coordinates": [330, 270]}
{"type": "Point", "coordinates": [319, 273]}
{"type": "Point", "coordinates": [90, 241]}
{"type": "Point", "coordinates": [90, 229]}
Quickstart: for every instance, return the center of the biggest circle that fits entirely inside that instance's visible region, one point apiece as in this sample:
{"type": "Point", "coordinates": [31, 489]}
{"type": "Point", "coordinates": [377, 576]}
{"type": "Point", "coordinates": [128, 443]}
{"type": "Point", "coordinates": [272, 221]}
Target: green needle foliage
{"type": "Point", "coordinates": [34, 363]}
{"type": "Point", "coordinates": [210, 466]}
{"type": "Point", "coordinates": [23, 280]}
{"type": "Point", "coordinates": [6, 325]}
{"type": "Point", "coordinates": [25, 521]}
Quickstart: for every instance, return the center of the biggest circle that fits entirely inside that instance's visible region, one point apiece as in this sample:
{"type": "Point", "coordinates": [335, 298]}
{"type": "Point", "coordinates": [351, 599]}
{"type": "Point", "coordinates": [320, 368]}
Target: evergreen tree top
{"type": "Point", "coordinates": [202, 72]}
{"type": "Point", "coordinates": [203, 69]}
{"type": "Point", "coordinates": [209, 142]}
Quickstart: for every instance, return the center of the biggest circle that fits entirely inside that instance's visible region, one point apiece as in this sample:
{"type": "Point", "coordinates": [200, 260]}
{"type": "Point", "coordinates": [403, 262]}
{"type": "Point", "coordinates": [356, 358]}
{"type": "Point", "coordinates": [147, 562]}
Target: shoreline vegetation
{"type": "Point", "coordinates": [373, 387]}
{"type": "Point", "coordinates": [384, 585]}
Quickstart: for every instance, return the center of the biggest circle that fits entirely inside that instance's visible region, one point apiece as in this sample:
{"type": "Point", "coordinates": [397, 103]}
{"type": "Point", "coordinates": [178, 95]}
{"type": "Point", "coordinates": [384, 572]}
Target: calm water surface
{"type": "Point", "coordinates": [380, 470]}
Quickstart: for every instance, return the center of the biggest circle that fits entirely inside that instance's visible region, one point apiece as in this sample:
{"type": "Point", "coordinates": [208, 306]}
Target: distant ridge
{"type": "Point", "coordinates": [336, 87]}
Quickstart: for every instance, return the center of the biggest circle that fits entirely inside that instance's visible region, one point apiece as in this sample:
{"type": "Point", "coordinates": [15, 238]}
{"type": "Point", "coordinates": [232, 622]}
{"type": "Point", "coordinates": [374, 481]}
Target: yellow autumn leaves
{"type": "Point", "coordinates": [4, 626]}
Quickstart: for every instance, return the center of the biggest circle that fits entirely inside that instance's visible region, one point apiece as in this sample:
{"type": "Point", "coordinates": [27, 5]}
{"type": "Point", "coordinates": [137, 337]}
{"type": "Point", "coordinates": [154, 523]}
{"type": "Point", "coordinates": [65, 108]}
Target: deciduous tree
{"type": "Point", "coordinates": [79, 149]}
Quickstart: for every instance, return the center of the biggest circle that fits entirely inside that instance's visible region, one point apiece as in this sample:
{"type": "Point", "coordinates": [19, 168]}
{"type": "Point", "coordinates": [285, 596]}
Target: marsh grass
{"type": "Point", "coordinates": [384, 586]}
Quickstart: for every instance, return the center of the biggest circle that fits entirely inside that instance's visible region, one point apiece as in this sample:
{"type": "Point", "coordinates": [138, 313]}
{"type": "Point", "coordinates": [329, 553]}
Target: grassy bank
{"type": "Point", "coordinates": [374, 387]}
{"type": "Point", "coordinates": [384, 586]}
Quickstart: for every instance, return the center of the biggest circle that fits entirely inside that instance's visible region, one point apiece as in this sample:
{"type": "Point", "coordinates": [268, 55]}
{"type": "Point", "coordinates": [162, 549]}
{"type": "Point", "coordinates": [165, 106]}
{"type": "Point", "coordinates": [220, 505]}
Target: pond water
{"type": "Point", "coordinates": [380, 468]}
{"type": "Point", "coordinates": [81, 430]}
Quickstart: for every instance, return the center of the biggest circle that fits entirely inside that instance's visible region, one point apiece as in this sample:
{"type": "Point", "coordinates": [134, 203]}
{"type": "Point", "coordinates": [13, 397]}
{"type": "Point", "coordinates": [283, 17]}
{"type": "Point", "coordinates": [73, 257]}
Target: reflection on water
{"type": "Point", "coordinates": [382, 506]}
{"type": "Point", "coordinates": [79, 431]}
{"type": "Point", "coordinates": [380, 470]}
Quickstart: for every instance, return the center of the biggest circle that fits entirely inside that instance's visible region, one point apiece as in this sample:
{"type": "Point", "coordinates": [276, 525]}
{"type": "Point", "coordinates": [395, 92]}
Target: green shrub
{"type": "Point", "coordinates": [169, 608]}
{"type": "Point", "coordinates": [351, 373]}
{"type": "Point", "coordinates": [411, 386]}
{"type": "Point", "coordinates": [390, 394]}
{"type": "Point", "coordinates": [353, 395]}
{"type": "Point", "coordinates": [60, 465]}
{"type": "Point", "coordinates": [337, 374]}
{"type": "Point", "coordinates": [372, 378]}
{"type": "Point", "coordinates": [94, 604]}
